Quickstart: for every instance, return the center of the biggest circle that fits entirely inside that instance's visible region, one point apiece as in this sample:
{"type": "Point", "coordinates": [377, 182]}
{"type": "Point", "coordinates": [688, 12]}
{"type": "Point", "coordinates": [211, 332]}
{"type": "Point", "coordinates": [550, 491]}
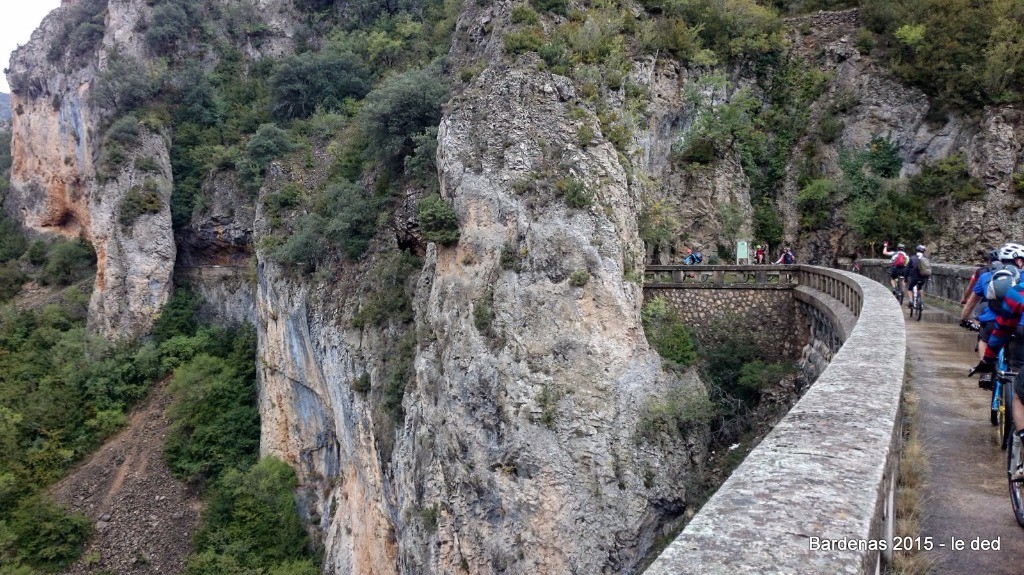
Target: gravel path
{"type": "Point", "coordinates": [966, 494]}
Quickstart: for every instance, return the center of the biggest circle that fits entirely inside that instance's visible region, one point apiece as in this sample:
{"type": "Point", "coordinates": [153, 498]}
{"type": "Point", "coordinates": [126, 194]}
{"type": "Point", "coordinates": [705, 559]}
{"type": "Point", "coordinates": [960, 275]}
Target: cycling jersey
{"type": "Point", "coordinates": [979, 288]}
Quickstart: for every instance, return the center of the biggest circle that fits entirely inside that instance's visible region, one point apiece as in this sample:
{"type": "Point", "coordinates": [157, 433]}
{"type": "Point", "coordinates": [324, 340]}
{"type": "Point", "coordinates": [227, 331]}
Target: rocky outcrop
{"type": "Point", "coordinates": [55, 142]}
{"type": "Point", "coordinates": [540, 402]}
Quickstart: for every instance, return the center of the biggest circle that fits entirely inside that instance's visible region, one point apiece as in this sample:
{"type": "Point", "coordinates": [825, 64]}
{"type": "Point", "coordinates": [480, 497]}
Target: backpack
{"type": "Point", "coordinates": [924, 267]}
{"type": "Point", "coordinates": [900, 261]}
{"type": "Point", "coordinates": [787, 258]}
{"type": "Point", "coordinates": [1001, 282]}
{"type": "Point", "coordinates": [697, 257]}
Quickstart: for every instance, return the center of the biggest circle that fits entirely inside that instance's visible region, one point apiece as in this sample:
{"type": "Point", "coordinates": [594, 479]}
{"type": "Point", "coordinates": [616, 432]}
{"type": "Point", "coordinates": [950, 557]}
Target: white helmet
{"type": "Point", "coordinates": [1010, 252]}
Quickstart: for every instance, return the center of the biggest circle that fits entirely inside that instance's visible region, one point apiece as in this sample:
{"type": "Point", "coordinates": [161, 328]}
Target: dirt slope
{"type": "Point", "coordinates": [144, 518]}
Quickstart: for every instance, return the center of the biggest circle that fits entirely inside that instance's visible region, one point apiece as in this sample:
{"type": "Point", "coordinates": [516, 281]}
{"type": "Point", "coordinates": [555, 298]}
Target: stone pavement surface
{"type": "Point", "coordinates": [966, 495]}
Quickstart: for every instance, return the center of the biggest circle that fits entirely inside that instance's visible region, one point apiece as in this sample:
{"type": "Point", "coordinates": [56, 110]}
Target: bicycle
{"type": "Point", "coordinates": [897, 290]}
{"type": "Point", "coordinates": [1002, 387]}
{"type": "Point", "coordinates": [916, 304]}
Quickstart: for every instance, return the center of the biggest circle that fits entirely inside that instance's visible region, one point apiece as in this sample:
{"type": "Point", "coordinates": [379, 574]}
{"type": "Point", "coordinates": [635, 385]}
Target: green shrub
{"type": "Point", "coordinates": [391, 299]}
{"type": "Point", "coordinates": [679, 414]}
{"type": "Point", "coordinates": [361, 384]}
{"type": "Point", "coordinates": [11, 279]}
{"type": "Point", "coordinates": [666, 332]}
{"type": "Point", "coordinates": [402, 107]}
{"type": "Point", "coordinates": [527, 40]}
{"type": "Point", "coordinates": [483, 312]}
{"type": "Point", "coordinates": [579, 278]}
{"type": "Point", "coordinates": [574, 192]}
{"type": "Point", "coordinates": [168, 27]}
{"type": "Point", "coordinates": [123, 86]}
{"type": "Point", "coordinates": [140, 200]}
{"type": "Point", "coordinates": [815, 202]}
{"type": "Point", "coordinates": [554, 6]}
{"type": "Point", "coordinates": [699, 151]}
{"type": "Point", "coordinates": [268, 143]}
{"type": "Point", "coordinates": [178, 316]}
{"type": "Point", "coordinates": [946, 178]}
{"type": "Point", "coordinates": [830, 128]}
{"type": "Point", "coordinates": [344, 218]}
{"type": "Point", "coordinates": [214, 423]}
{"type": "Point", "coordinates": [81, 32]}
{"type": "Point", "coordinates": [12, 242]}
{"type": "Point", "coordinates": [523, 14]}
{"type": "Point", "coordinates": [68, 261]}
{"type": "Point", "coordinates": [438, 221]}
{"type": "Point", "coordinates": [303, 82]}
{"type": "Point", "coordinates": [46, 536]}
{"type": "Point", "coordinates": [252, 524]}
{"type": "Point", "coordinates": [864, 41]}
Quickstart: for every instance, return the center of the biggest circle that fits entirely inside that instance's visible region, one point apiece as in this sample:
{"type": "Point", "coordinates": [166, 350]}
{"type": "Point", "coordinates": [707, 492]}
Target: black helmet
{"type": "Point", "coordinates": [993, 255]}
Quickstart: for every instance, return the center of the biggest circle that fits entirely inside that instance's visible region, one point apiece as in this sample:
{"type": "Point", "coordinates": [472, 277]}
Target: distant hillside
{"type": "Point", "coordinates": [5, 107]}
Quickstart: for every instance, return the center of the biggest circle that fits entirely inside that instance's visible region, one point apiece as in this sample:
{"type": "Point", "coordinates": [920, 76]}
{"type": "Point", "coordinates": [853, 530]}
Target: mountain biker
{"type": "Point", "coordinates": [989, 259]}
{"type": "Point", "coordinates": [759, 254]}
{"type": "Point", "coordinates": [693, 257]}
{"type": "Point", "coordinates": [897, 262]}
{"type": "Point", "coordinates": [914, 277]}
{"type": "Point", "coordinates": [786, 257]}
{"type": "Point", "coordinates": [1009, 255]}
{"type": "Point", "coordinates": [1007, 322]}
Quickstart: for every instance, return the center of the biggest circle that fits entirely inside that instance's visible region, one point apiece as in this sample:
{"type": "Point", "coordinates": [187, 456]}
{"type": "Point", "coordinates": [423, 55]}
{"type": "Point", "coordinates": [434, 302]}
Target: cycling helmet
{"type": "Point", "coordinates": [919, 248]}
{"type": "Point", "coordinates": [901, 246]}
{"type": "Point", "coordinates": [993, 255]}
{"type": "Point", "coordinates": [1010, 252]}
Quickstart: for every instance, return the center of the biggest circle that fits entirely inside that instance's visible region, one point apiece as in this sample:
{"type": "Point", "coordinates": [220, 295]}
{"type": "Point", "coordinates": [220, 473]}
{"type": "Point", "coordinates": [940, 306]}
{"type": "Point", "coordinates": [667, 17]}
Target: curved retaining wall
{"type": "Point", "coordinates": [818, 490]}
{"type": "Point", "coordinates": [947, 281]}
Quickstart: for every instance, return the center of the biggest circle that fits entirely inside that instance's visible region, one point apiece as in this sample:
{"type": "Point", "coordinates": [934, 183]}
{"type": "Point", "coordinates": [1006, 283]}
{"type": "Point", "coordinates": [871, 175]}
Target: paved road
{"type": "Point", "coordinates": [966, 493]}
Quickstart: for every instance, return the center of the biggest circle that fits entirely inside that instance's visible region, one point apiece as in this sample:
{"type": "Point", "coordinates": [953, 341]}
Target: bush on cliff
{"type": "Point", "coordinates": [666, 332]}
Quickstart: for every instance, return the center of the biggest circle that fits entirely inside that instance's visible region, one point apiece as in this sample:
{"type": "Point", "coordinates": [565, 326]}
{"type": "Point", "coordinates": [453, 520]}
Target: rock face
{"type": "Point", "coordinates": [519, 446]}
{"type": "Point", "coordinates": [55, 139]}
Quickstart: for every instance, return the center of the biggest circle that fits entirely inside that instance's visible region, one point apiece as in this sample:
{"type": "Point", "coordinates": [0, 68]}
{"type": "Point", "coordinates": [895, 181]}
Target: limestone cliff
{"type": "Point", "coordinates": [56, 134]}
{"type": "Point", "coordinates": [493, 426]}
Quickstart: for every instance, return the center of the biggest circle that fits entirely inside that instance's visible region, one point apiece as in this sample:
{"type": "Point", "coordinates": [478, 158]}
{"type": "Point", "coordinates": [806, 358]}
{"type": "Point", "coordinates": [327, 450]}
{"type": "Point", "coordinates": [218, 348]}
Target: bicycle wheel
{"type": "Point", "coordinates": [994, 417]}
{"type": "Point", "coordinates": [919, 306]}
{"type": "Point", "coordinates": [1013, 459]}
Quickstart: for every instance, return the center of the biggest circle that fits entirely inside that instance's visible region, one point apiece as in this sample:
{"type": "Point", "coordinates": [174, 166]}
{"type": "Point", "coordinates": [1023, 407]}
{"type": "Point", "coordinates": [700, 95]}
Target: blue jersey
{"type": "Point", "coordinates": [980, 286]}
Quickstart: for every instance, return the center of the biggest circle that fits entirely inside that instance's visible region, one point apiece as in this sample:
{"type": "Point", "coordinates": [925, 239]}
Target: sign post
{"type": "Point", "coordinates": [742, 252]}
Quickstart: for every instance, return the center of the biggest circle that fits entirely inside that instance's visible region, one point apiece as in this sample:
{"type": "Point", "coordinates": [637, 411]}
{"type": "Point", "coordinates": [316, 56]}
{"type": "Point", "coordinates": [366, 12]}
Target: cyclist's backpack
{"type": "Point", "coordinates": [1001, 282]}
{"type": "Point", "coordinates": [787, 258]}
{"type": "Point", "coordinates": [697, 257]}
{"type": "Point", "coordinates": [924, 267]}
{"type": "Point", "coordinates": [900, 261]}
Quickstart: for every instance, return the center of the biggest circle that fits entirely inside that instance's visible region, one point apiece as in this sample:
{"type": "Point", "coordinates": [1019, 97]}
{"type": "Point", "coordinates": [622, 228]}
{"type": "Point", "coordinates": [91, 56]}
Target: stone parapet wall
{"type": "Point", "coordinates": [804, 480]}
{"type": "Point", "coordinates": [769, 314]}
{"type": "Point", "coordinates": [947, 281]}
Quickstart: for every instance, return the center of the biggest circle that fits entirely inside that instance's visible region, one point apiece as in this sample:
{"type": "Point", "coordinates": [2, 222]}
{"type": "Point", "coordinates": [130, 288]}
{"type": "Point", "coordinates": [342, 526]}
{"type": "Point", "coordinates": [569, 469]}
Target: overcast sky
{"type": "Point", "coordinates": [18, 22]}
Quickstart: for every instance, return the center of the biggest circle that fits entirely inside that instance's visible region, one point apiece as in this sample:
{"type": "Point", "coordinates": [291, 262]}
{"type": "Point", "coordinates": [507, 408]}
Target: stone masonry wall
{"type": "Point", "coordinates": [769, 314]}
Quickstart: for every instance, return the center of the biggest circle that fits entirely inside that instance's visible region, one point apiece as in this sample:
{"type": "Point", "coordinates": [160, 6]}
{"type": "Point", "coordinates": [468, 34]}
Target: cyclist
{"type": "Point", "coordinates": [1007, 322]}
{"type": "Point", "coordinates": [914, 278]}
{"type": "Point", "coordinates": [897, 262]}
{"type": "Point", "coordinates": [786, 257]}
{"type": "Point", "coordinates": [1009, 255]}
{"type": "Point", "coordinates": [990, 259]}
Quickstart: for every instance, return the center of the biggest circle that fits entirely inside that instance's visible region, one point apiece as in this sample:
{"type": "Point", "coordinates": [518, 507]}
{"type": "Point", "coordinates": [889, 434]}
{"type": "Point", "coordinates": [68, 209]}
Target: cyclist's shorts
{"type": "Point", "coordinates": [1018, 386]}
{"type": "Point", "coordinates": [1015, 351]}
{"type": "Point", "coordinates": [895, 272]}
{"type": "Point", "coordinates": [987, 327]}
{"type": "Point", "coordinates": [917, 282]}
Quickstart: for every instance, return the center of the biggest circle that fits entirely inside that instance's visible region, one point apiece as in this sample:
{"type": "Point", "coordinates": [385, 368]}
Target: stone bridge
{"type": "Point", "coordinates": [826, 473]}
